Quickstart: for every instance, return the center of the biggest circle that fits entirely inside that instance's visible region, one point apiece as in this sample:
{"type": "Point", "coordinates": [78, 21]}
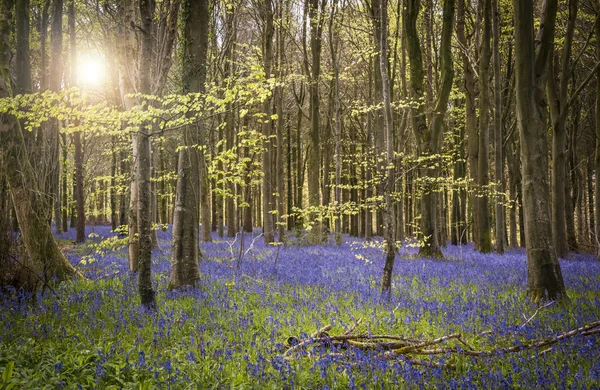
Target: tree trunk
{"type": "Point", "coordinates": [470, 111]}
{"type": "Point", "coordinates": [56, 69]}
{"type": "Point", "coordinates": [544, 277]}
{"type": "Point", "coordinates": [334, 44]}
{"type": "Point", "coordinates": [428, 138]}
{"type": "Point", "coordinates": [142, 139]}
{"type": "Point", "coordinates": [230, 209]}
{"type": "Point", "coordinates": [498, 133]}
{"type": "Point", "coordinates": [316, 18]}
{"type": "Point", "coordinates": [279, 171]}
{"type": "Point", "coordinates": [597, 155]}
{"type": "Point", "coordinates": [483, 179]}
{"type": "Point", "coordinates": [127, 59]}
{"type": "Point", "coordinates": [79, 182]}
{"type": "Point", "coordinates": [268, 179]}
{"type": "Point", "coordinates": [45, 257]}
{"type": "Point", "coordinates": [389, 187]}
{"type": "Point", "coordinates": [185, 254]}
{"type": "Point", "coordinates": [558, 110]}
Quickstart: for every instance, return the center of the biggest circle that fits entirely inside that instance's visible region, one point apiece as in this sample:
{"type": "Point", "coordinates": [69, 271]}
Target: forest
{"type": "Point", "coordinates": [299, 194]}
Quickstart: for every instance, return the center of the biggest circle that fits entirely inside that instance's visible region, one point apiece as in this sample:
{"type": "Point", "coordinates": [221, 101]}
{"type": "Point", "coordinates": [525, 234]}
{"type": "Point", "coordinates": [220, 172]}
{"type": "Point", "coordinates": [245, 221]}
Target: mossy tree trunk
{"type": "Point", "coordinates": [32, 211]}
{"type": "Point", "coordinates": [428, 138]}
{"type": "Point", "coordinates": [558, 99]}
{"type": "Point", "coordinates": [185, 254]}
{"type": "Point", "coordinates": [544, 276]}
{"type": "Point", "coordinates": [483, 176]}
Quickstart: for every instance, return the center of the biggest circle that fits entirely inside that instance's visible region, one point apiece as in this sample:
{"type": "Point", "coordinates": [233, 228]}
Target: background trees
{"type": "Point", "coordinates": [352, 114]}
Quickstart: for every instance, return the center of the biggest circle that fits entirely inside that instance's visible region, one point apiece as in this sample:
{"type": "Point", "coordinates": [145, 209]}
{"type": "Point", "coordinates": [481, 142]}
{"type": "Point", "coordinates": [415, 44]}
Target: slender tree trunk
{"type": "Point", "coordinates": [429, 138]}
{"type": "Point", "coordinates": [127, 59]}
{"type": "Point", "coordinates": [498, 134]}
{"type": "Point", "coordinates": [334, 44]}
{"type": "Point", "coordinates": [544, 275]}
{"type": "Point", "coordinates": [56, 70]}
{"type": "Point", "coordinates": [230, 209]}
{"type": "Point", "coordinates": [163, 204]}
{"type": "Point", "coordinates": [389, 187]}
{"type": "Point", "coordinates": [279, 171]}
{"type": "Point", "coordinates": [470, 111]}
{"type": "Point", "coordinates": [558, 110]}
{"type": "Point", "coordinates": [316, 18]}
{"type": "Point", "coordinates": [79, 182]}
{"type": "Point", "coordinates": [268, 179]}
{"type": "Point", "coordinates": [590, 201]}
{"type": "Point", "coordinates": [142, 139]}
{"type": "Point", "coordinates": [113, 184]}
{"type": "Point", "coordinates": [483, 178]}
{"type": "Point", "coordinates": [597, 155]}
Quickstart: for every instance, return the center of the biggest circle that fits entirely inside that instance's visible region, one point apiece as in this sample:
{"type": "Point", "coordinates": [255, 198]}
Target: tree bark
{"type": "Point", "coordinates": [470, 111]}
{"type": "Point", "coordinates": [185, 254]}
{"type": "Point", "coordinates": [56, 70]}
{"type": "Point", "coordinates": [483, 177]}
{"type": "Point", "coordinates": [279, 174]}
{"type": "Point", "coordinates": [428, 138]}
{"type": "Point", "coordinates": [544, 276]}
{"type": "Point", "coordinates": [316, 17]}
{"type": "Point", "coordinates": [389, 187]}
{"type": "Point", "coordinates": [558, 112]}
{"type": "Point", "coordinates": [142, 139]}
{"type": "Point", "coordinates": [45, 257]}
{"type": "Point", "coordinates": [127, 71]}
{"type": "Point", "coordinates": [498, 133]}
{"type": "Point", "coordinates": [79, 182]}
{"type": "Point", "coordinates": [597, 155]}
{"type": "Point", "coordinates": [266, 10]}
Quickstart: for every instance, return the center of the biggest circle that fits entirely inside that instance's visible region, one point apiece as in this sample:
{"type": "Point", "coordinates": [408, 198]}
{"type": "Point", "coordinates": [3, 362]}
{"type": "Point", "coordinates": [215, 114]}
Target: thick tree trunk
{"type": "Point", "coordinates": [544, 277]}
{"type": "Point", "coordinates": [45, 257]}
{"type": "Point", "coordinates": [185, 254]}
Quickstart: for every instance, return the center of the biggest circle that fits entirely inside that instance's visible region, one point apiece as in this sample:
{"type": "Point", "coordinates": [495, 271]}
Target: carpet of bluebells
{"type": "Point", "coordinates": [231, 331]}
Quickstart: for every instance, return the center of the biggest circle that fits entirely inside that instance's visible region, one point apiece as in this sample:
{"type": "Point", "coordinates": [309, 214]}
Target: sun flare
{"type": "Point", "coordinates": [91, 71]}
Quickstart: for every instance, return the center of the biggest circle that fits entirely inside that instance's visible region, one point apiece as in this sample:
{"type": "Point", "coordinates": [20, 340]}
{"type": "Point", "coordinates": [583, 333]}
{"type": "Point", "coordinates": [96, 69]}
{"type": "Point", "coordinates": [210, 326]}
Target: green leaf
{"type": "Point", "coordinates": [8, 371]}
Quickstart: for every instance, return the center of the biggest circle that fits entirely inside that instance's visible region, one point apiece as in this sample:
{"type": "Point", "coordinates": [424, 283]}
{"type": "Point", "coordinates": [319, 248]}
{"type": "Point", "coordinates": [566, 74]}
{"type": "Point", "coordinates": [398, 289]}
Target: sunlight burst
{"type": "Point", "coordinates": [91, 71]}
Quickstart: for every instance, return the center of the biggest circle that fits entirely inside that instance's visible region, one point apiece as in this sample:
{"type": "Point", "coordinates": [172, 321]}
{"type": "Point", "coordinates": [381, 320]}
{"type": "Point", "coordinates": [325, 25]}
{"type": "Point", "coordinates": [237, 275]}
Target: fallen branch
{"type": "Point", "coordinates": [403, 348]}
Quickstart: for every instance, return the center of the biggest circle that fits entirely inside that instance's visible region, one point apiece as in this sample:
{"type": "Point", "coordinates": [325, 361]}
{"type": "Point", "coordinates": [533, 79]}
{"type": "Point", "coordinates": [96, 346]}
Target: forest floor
{"type": "Point", "coordinates": [233, 330]}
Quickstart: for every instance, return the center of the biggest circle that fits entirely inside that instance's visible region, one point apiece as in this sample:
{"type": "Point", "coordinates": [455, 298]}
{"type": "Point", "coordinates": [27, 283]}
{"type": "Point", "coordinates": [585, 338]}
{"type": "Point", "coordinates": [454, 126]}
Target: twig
{"type": "Point", "coordinates": [351, 329]}
{"type": "Point", "coordinates": [527, 321]}
{"type": "Point", "coordinates": [410, 348]}
{"type": "Point", "coordinates": [321, 332]}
